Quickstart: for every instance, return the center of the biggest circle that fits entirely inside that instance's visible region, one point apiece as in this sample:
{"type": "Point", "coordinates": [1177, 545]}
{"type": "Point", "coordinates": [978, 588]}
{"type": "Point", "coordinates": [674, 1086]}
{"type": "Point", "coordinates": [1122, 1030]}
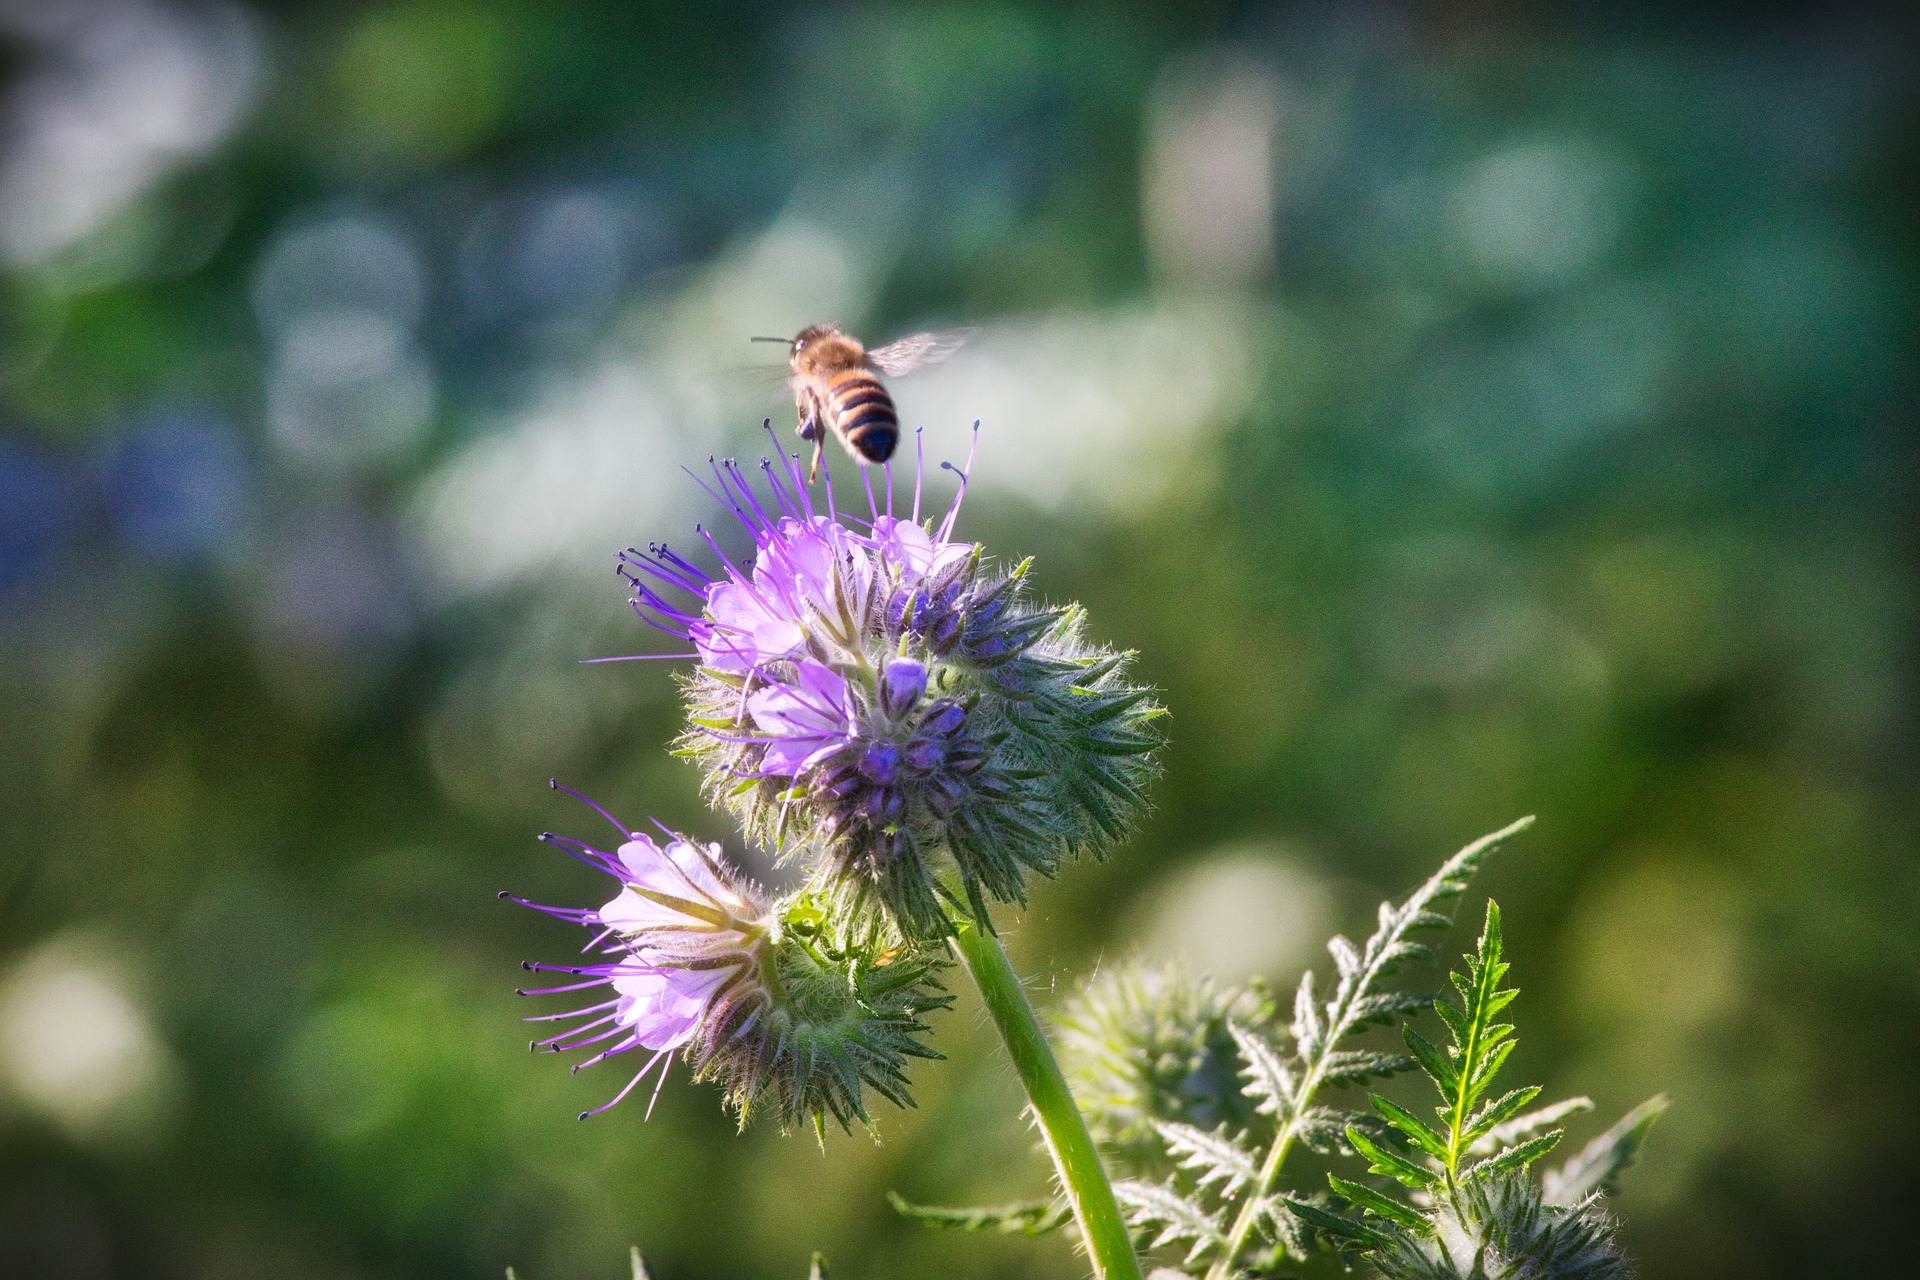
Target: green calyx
{"type": "Point", "coordinates": [841, 1010]}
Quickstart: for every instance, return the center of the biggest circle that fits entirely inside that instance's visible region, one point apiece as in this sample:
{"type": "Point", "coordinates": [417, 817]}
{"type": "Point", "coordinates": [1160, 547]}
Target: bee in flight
{"type": "Point", "coordinates": [834, 387]}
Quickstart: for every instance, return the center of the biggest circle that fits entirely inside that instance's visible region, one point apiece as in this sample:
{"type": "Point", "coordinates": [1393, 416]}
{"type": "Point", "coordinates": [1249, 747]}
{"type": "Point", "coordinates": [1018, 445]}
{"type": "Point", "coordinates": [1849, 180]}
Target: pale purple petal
{"type": "Point", "coordinates": [912, 551]}
{"type": "Point", "coordinates": [663, 1006]}
{"type": "Point", "coordinates": [803, 719]}
{"type": "Point", "coordinates": [745, 631]}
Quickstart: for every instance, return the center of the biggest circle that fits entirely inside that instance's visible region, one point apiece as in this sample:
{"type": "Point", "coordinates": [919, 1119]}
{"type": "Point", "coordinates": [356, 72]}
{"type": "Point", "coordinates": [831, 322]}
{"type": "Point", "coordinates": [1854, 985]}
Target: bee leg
{"type": "Point", "coordinates": [809, 430]}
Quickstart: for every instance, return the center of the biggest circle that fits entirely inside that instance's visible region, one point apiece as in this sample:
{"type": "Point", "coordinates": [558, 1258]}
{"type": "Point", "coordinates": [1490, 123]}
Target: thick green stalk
{"type": "Point", "coordinates": [1074, 1155]}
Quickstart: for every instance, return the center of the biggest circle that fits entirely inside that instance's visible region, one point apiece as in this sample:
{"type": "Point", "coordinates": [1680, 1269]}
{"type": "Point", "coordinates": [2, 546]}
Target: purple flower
{"type": "Point", "coordinates": [683, 941]}
{"type": "Point", "coordinates": [805, 720]}
{"type": "Point", "coordinates": [788, 1009]}
{"type": "Point", "coordinates": [914, 554]}
{"type": "Point", "coordinates": [883, 700]}
{"type": "Point", "coordinates": [816, 580]}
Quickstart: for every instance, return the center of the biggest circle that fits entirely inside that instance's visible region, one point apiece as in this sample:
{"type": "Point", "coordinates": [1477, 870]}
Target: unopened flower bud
{"type": "Point", "coordinates": [880, 763]}
{"type": "Point", "coordinates": [923, 755]}
{"type": "Point", "coordinates": [901, 685]}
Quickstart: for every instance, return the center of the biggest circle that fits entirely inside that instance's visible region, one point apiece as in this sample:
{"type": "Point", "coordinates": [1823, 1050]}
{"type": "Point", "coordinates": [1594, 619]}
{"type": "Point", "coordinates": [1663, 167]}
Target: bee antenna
{"type": "Point", "coordinates": [769, 339]}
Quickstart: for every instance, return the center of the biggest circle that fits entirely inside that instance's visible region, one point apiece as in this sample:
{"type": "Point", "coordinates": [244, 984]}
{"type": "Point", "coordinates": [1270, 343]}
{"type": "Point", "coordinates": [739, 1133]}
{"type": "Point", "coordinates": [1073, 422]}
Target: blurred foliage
{"type": "Point", "coordinates": [1465, 413]}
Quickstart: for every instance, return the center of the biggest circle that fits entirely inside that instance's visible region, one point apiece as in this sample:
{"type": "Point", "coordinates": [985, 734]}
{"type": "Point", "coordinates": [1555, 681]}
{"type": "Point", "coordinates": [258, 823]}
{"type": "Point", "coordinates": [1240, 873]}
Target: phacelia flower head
{"type": "Point", "coordinates": [692, 958]}
{"type": "Point", "coordinates": [875, 696]}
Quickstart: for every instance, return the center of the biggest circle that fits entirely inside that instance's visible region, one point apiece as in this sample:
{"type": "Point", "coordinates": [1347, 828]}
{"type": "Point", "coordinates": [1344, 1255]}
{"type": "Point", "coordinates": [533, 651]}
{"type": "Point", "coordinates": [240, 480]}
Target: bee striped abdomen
{"type": "Point", "coordinates": [864, 415]}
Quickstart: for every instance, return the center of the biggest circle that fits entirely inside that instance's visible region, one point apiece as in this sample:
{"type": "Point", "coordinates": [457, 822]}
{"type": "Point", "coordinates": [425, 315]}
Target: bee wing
{"type": "Point", "coordinates": [759, 377]}
{"type": "Point", "coordinates": [917, 351]}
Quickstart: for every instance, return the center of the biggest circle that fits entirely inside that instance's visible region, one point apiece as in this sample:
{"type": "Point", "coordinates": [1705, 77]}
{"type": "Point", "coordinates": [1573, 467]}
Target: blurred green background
{"type": "Point", "coordinates": [1466, 410]}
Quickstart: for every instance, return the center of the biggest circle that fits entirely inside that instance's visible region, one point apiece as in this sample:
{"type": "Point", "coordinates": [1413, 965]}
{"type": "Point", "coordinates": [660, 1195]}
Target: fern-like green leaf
{"type": "Point", "coordinates": [1318, 1029]}
{"type": "Point", "coordinates": [1391, 1163]}
{"type": "Point", "coordinates": [1437, 1065]}
{"type": "Point", "coordinates": [1223, 1203]}
{"type": "Point", "coordinates": [1599, 1163]}
{"type": "Point", "coordinates": [1366, 1198]}
{"type": "Point", "coordinates": [1525, 1125]}
{"type": "Point", "coordinates": [1210, 1157]}
{"type": "Point", "coordinates": [1512, 1159]}
{"type": "Point", "coordinates": [1480, 1045]}
{"type": "Point", "coordinates": [1023, 1217]}
{"type": "Point", "coordinates": [1498, 1112]}
{"type": "Point", "coordinates": [1150, 1205]}
{"type": "Point", "coordinates": [1333, 1224]}
{"type": "Point", "coordinates": [1417, 1131]}
{"type": "Point", "coordinates": [1269, 1082]}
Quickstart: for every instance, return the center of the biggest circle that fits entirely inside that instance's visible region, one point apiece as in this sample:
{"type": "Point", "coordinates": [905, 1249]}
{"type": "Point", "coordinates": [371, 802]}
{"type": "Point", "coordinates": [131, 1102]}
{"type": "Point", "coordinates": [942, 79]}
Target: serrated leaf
{"type": "Point", "coordinates": [1306, 1017]}
{"type": "Point", "coordinates": [1525, 1126]}
{"type": "Point", "coordinates": [1432, 1061]}
{"type": "Point", "coordinates": [1334, 1225]}
{"type": "Point", "coordinates": [1418, 1131]}
{"type": "Point", "coordinates": [1391, 1163]}
{"type": "Point", "coordinates": [1357, 1066]}
{"type": "Point", "coordinates": [1211, 1157]}
{"type": "Point", "coordinates": [1514, 1157]}
{"type": "Point", "coordinates": [1150, 1204]}
{"type": "Point", "coordinates": [1268, 1079]}
{"type": "Point", "coordinates": [1364, 1197]}
{"type": "Point", "coordinates": [1601, 1161]}
{"type": "Point", "coordinates": [1385, 1006]}
{"type": "Point", "coordinates": [1455, 1019]}
{"type": "Point", "coordinates": [1324, 1129]}
{"type": "Point", "coordinates": [1024, 1217]}
{"type": "Point", "coordinates": [1356, 1002]}
{"type": "Point", "coordinates": [1496, 1112]}
{"type": "Point", "coordinates": [1489, 1066]}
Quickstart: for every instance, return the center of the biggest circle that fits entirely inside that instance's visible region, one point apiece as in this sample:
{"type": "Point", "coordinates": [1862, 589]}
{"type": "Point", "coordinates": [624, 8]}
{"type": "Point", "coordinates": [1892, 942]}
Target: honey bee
{"type": "Point", "coordinates": [834, 387]}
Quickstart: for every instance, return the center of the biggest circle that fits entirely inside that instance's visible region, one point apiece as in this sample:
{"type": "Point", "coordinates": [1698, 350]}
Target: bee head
{"type": "Point", "coordinates": [823, 347]}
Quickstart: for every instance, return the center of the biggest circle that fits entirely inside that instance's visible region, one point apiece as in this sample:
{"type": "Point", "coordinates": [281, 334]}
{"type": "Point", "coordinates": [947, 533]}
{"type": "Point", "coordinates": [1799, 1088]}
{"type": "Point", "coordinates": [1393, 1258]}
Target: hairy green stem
{"type": "Point", "coordinates": [1076, 1159]}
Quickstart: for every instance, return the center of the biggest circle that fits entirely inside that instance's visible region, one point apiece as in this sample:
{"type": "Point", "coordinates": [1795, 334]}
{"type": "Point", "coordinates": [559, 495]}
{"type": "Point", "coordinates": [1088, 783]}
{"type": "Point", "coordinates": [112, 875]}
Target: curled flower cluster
{"type": "Point", "coordinates": [1145, 1044]}
{"type": "Point", "coordinates": [877, 700]}
{"type": "Point", "coordinates": [770, 1000]}
{"type": "Point", "coordinates": [886, 703]}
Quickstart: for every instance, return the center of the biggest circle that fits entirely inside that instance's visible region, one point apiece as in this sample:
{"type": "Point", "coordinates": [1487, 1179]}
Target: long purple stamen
{"type": "Point", "coordinates": [787, 508]}
{"type": "Point", "coordinates": [576, 1013]}
{"type": "Point", "coordinates": [640, 657]}
{"type": "Point", "coordinates": [574, 1031]}
{"type": "Point", "coordinates": [626, 833]}
{"type": "Point", "coordinates": [953, 512]}
{"type": "Point", "coordinates": [638, 1076]}
{"type": "Point", "coordinates": [554, 991]}
{"type": "Point", "coordinates": [709, 492]}
{"type": "Point", "coordinates": [586, 853]}
{"type": "Point", "coordinates": [919, 469]}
